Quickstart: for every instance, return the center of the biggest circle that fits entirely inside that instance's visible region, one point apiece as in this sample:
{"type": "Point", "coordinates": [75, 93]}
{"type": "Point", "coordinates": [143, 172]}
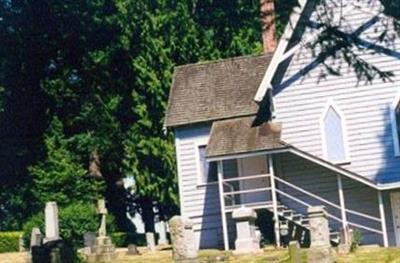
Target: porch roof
{"type": "Point", "coordinates": [238, 136]}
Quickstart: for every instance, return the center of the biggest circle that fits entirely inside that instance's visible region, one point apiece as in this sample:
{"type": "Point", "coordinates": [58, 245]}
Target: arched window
{"type": "Point", "coordinates": [333, 134]}
{"type": "Point", "coordinates": [395, 119]}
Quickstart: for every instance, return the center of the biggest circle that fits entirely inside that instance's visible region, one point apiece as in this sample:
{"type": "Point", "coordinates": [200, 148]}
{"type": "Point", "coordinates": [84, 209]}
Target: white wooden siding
{"type": "Point", "coordinates": [366, 107]}
{"type": "Point", "coordinates": [200, 203]}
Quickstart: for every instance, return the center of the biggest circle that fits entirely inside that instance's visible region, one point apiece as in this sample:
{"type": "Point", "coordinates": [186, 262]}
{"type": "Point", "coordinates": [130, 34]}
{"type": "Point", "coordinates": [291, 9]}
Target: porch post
{"type": "Point", "coordinates": [274, 201]}
{"type": "Point", "coordinates": [222, 204]}
{"type": "Point", "coordinates": [342, 208]}
{"type": "Point", "coordinates": [383, 219]}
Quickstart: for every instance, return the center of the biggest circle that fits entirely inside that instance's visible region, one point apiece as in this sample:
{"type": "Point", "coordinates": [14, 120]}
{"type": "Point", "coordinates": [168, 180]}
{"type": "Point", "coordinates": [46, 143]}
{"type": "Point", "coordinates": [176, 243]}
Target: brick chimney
{"type": "Point", "coordinates": [267, 8]}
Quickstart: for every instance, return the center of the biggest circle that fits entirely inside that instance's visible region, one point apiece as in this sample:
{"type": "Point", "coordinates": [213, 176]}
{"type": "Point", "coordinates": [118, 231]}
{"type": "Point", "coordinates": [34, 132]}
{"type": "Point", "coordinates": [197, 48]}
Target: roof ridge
{"type": "Point", "coordinates": [222, 60]}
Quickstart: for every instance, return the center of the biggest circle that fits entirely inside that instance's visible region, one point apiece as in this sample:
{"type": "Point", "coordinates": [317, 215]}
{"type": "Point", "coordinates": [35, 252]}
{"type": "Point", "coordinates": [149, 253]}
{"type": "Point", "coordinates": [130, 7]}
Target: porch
{"type": "Point", "coordinates": [259, 183]}
{"type": "Point", "coordinates": [274, 176]}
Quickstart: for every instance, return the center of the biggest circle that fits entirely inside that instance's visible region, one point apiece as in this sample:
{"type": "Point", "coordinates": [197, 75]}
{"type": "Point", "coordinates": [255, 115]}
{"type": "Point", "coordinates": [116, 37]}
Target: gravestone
{"type": "Point", "coordinates": [103, 249]}
{"type": "Point", "coordinates": [89, 240]}
{"type": "Point", "coordinates": [51, 249]}
{"type": "Point", "coordinates": [162, 240]}
{"type": "Point", "coordinates": [246, 241]}
{"type": "Point", "coordinates": [150, 241]}
{"type": "Point", "coordinates": [51, 222]}
{"type": "Point", "coordinates": [36, 237]}
{"type": "Point", "coordinates": [184, 247]}
{"type": "Point", "coordinates": [294, 252]}
{"type": "Point", "coordinates": [132, 250]}
{"type": "Point", "coordinates": [320, 250]}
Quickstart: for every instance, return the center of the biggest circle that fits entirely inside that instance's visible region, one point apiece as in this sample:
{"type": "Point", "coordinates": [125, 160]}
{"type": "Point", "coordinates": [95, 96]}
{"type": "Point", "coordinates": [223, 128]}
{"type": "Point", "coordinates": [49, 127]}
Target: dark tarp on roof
{"type": "Point", "coordinates": [215, 90]}
{"type": "Point", "coordinates": [235, 136]}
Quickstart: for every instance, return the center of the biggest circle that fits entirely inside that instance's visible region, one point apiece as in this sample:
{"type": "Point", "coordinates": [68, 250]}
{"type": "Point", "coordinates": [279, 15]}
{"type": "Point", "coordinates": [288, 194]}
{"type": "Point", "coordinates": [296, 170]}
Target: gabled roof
{"type": "Point", "coordinates": [215, 90]}
{"type": "Point", "coordinates": [237, 136]}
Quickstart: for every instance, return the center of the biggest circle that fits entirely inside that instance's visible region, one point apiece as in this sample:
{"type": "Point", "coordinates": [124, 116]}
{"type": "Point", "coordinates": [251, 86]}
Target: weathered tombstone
{"type": "Point", "coordinates": [52, 249]}
{"type": "Point", "coordinates": [103, 250]}
{"type": "Point", "coordinates": [162, 240]}
{"type": "Point", "coordinates": [320, 249]}
{"type": "Point", "coordinates": [51, 222]}
{"type": "Point", "coordinates": [132, 250]}
{"type": "Point", "coordinates": [294, 252]}
{"type": "Point", "coordinates": [150, 241]}
{"type": "Point", "coordinates": [246, 241]}
{"type": "Point", "coordinates": [36, 237]}
{"type": "Point", "coordinates": [89, 240]}
{"type": "Point", "coordinates": [184, 247]}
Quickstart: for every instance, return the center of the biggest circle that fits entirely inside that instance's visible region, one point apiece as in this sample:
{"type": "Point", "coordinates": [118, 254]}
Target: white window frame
{"type": "Point", "coordinates": [393, 121]}
{"type": "Point", "coordinates": [197, 144]}
{"type": "Point", "coordinates": [328, 104]}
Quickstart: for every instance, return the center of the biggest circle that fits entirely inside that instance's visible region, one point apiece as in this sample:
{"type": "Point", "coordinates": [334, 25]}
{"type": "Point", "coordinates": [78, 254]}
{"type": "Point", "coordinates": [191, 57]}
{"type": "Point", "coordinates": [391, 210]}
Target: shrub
{"type": "Point", "coordinates": [9, 241]}
{"type": "Point", "coordinates": [356, 240]}
{"type": "Point", "coordinates": [75, 221]}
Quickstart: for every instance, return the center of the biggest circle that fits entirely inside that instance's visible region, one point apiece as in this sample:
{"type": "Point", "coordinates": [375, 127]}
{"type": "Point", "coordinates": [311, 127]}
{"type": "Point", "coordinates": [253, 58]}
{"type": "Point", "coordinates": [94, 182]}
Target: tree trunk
{"type": "Point", "coordinates": [267, 8]}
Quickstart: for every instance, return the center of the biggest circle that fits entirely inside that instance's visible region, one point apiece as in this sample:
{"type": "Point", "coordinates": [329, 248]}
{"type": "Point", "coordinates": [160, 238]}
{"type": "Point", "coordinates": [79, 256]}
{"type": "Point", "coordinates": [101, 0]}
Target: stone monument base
{"type": "Point", "coordinates": [51, 252]}
{"type": "Point", "coordinates": [246, 246]}
{"type": "Point", "coordinates": [102, 251]}
{"type": "Point", "coordinates": [321, 254]}
{"type": "Point", "coordinates": [344, 249]}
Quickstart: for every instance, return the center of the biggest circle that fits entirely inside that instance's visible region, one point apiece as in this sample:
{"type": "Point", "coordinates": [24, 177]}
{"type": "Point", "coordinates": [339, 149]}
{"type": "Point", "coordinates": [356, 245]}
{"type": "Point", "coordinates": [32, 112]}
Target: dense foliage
{"type": "Point", "coordinates": [84, 87]}
{"type": "Point", "coordinates": [9, 241]}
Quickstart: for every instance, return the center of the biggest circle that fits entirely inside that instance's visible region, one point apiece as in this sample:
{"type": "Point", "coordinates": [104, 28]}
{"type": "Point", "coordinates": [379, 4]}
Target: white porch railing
{"type": "Point", "coordinates": [230, 188]}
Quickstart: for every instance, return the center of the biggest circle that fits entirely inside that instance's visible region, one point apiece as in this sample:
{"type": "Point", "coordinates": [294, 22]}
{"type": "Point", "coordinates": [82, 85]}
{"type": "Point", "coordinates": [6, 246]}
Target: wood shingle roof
{"type": "Point", "coordinates": [237, 136]}
{"type": "Point", "coordinates": [215, 90]}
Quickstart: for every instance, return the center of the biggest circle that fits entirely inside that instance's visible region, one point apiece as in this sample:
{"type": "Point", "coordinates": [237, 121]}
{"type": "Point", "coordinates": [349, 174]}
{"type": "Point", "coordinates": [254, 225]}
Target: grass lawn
{"type": "Point", "coordinates": [362, 255]}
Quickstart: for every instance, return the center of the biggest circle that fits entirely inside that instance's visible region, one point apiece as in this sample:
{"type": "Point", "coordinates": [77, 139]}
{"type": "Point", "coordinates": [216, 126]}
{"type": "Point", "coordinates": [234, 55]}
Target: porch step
{"type": "Point", "coordinates": [289, 215]}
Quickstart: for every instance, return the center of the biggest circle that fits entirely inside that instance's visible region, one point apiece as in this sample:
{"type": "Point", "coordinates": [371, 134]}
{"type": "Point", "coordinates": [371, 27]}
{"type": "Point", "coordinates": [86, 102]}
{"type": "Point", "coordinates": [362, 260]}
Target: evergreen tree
{"type": "Point", "coordinates": [60, 177]}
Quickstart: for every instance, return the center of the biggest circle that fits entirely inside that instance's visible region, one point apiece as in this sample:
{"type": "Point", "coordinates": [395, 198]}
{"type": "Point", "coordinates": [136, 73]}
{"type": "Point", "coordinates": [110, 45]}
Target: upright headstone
{"type": "Point", "coordinates": [162, 240]}
{"type": "Point", "coordinates": [320, 249]}
{"type": "Point", "coordinates": [51, 222]}
{"type": "Point", "coordinates": [103, 250]}
{"type": "Point", "coordinates": [150, 241]}
{"type": "Point", "coordinates": [36, 237]}
{"type": "Point", "coordinates": [89, 239]}
{"type": "Point", "coordinates": [184, 247]}
{"type": "Point", "coordinates": [294, 252]}
{"type": "Point", "coordinates": [247, 241]}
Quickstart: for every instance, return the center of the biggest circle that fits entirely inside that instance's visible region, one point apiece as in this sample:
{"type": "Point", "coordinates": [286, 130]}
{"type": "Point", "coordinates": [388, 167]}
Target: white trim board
{"type": "Point", "coordinates": [280, 50]}
{"type": "Point", "coordinates": [393, 121]}
{"type": "Point", "coordinates": [179, 173]}
{"type": "Point", "coordinates": [394, 215]}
